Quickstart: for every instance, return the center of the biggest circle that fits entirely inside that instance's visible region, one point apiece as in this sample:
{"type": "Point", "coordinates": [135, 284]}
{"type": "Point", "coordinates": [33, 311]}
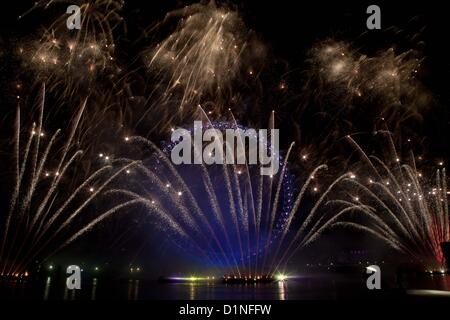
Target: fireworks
{"type": "Point", "coordinates": [69, 67]}
{"type": "Point", "coordinates": [387, 76]}
{"type": "Point", "coordinates": [231, 216]}
{"type": "Point", "coordinates": [400, 207]}
{"type": "Point", "coordinates": [70, 62]}
{"type": "Point", "coordinates": [75, 64]}
{"type": "Point", "coordinates": [98, 17]}
{"type": "Point", "coordinates": [202, 61]}
{"type": "Point", "coordinates": [345, 85]}
{"type": "Point", "coordinates": [41, 216]}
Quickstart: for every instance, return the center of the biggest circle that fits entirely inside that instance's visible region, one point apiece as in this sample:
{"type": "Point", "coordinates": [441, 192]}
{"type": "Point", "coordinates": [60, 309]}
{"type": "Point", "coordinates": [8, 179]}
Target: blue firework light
{"type": "Point", "coordinates": [228, 216]}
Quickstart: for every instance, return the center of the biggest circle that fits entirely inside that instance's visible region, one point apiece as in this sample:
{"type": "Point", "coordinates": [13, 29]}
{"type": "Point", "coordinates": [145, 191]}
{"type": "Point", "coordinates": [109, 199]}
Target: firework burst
{"type": "Point", "coordinates": [72, 61]}
{"type": "Point", "coordinates": [201, 61]}
{"type": "Point", "coordinates": [230, 216]}
{"type": "Point", "coordinates": [387, 77]}
{"type": "Point", "coordinates": [398, 205]}
{"type": "Point", "coordinates": [43, 217]}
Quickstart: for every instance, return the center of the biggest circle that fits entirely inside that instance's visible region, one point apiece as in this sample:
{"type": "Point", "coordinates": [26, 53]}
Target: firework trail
{"type": "Point", "coordinates": [230, 216]}
{"type": "Point", "coordinates": [237, 220]}
{"type": "Point", "coordinates": [398, 205]}
{"type": "Point", "coordinates": [347, 76]}
{"type": "Point", "coordinates": [72, 62]}
{"type": "Point", "coordinates": [98, 18]}
{"type": "Point", "coordinates": [39, 208]}
{"type": "Point", "coordinates": [76, 64]}
{"type": "Point", "coordinates": [346, 91]}
{"type": "Point", "coordinates": [202, 62]}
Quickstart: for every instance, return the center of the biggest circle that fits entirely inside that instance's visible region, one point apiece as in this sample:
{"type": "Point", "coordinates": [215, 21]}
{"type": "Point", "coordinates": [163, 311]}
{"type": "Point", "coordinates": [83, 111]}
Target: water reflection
{"type": "Point", "coordinates": [94, 289]}
{"type": "Point", "coordinates": [47, 287]}
{"type": "Point", "coordinates": [69, 294]}
{"type": "Point", "coordinates": [192, 291]}
{"type": "Point", "coordinates": [282, 290]}
{"type": "Point", "coordinates": [308, 287]}
{"type": "Point", "coordinates": [133, 289]}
